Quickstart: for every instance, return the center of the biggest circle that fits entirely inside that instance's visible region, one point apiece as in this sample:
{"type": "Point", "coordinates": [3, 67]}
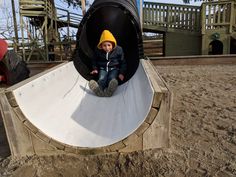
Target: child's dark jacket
{"type": "Point", "coordinates": [112, 60]}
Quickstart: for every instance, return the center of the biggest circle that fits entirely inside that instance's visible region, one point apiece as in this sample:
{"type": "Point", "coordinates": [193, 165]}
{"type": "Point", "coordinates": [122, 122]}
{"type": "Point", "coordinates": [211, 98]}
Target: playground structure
{"type": "Point", "coordinates": [208, 29]}
{"type": "Point", "coordinates": [192, 30]}
{"type": "Point", "coordinates": [42, 20]}
{"type": "Point", "coordinates": [219, 27]}
{"type": "Point", "coordinates": [68, 124]}
{"type": "Point", "coordinates": [74, 120]}
{"type": "Point", "coordinates": [137, 117]}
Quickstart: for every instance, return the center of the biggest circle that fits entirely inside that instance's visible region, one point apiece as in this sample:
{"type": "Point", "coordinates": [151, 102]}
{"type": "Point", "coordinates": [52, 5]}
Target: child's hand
{"type": "Point", "coordinates": [121, 77]}
{"type": "Point", "coordinates": [94, 72]}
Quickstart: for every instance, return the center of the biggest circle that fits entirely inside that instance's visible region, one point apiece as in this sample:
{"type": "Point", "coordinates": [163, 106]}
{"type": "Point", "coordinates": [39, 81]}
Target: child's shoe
{"type": "Point", "coordinates": [93, 85]}
{"type": "Point", "coordinates": [112, 86]}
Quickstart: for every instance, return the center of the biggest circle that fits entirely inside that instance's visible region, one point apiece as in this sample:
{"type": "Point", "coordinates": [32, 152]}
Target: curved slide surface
{"type": "Point", "coordinates": [55, 112]}
{"type": "Point", "coordinates": [61, 105]}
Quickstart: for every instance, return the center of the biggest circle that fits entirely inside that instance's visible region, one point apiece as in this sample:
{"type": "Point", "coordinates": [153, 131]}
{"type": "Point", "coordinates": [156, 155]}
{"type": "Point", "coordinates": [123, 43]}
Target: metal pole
{"type": "Point", "coordinates": [15, 23]}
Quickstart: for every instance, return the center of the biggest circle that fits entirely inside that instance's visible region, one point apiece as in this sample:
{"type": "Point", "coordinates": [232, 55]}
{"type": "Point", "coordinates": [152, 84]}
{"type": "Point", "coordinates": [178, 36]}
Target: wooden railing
{"type": "Point", "coordinates": [36, 8]}
{"type": "Point", "coordinates": [68, 17]}
{"type": "Point", "coordinates": [217, 15]}
{"type": "Point", "coordinates": [46, 7]}
{"type": "Point", "coordinates": [171, 16]}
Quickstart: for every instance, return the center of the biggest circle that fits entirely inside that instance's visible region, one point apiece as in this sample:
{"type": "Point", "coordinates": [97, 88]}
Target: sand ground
{"type": "Point", "coordinates": [203, 135]}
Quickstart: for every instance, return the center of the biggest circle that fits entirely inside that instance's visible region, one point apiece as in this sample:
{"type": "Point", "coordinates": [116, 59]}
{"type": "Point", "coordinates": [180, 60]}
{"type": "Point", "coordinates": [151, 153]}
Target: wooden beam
{"type": "Point", "coordinates": [83, 6]}
{"type": "Point", "coordinates": [15, 23]}
{"type": "Point", "coordinates": [195, 60]}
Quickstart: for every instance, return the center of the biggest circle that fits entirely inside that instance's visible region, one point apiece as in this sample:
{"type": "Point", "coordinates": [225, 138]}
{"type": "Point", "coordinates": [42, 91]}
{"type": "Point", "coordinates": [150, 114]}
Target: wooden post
{"type": "Point", "coordinates": [141, 13]}
{"type": "Point", "coordinates": [22, 36]}
{"type": "Point", "coordinates": [232, 18]}
{"type": "Point", "coordinates": [46, 37]}
{"type": "Point", "coordinates": [68, 24]}
{"type": "Point", "coordinates": [15, 24]}
{"type": "Point", "coordinates": [203, 18]}
{"type": "Point", "coordinates": [68, 33]}
{"type": "Point", "coordinates": [83, 6]}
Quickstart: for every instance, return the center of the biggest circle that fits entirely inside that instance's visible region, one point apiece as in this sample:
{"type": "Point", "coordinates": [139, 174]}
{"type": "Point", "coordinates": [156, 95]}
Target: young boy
{"type": "Point", "coordinates": [109, 64]}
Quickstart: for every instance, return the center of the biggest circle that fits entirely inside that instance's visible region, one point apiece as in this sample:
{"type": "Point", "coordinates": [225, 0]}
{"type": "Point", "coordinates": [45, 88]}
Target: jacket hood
{"type": "Point", "coordinates": [107, 36]}
{"type": "Point", "coordinates": [3, 48]}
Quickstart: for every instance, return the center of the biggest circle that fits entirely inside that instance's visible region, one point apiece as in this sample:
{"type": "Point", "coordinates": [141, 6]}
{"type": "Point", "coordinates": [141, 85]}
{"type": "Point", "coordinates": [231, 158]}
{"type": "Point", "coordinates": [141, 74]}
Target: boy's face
{"type": "Point", "coordinates": [106, 46]}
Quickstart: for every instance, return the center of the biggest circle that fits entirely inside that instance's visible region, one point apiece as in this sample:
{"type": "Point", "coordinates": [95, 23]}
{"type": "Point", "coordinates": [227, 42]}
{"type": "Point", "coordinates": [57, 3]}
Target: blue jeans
{"type": "Point", "coordinates": [105, 77]}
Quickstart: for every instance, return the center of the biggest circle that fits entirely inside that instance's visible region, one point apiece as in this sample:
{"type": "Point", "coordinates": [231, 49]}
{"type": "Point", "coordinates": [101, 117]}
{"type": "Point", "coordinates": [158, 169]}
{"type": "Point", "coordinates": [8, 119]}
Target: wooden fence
{"type": "Point", "coordinates": [173, 16]}
{"type": "Point", "coordinates": [216, 15]}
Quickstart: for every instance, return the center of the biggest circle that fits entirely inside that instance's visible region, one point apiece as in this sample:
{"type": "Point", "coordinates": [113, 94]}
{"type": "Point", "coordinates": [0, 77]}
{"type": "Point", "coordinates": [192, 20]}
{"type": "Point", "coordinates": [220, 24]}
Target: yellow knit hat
{"type": "Point", "coordinates": [107, 36]}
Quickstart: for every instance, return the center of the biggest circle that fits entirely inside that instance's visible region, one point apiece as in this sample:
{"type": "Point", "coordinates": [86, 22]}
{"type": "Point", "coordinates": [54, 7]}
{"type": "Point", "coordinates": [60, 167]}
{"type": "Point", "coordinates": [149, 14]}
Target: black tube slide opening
{"type": "Point", "coordinates": [122, 19]}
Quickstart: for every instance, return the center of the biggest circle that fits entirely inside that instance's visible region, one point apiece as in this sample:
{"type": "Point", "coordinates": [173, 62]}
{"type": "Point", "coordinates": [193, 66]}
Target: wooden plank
{"type": "Point", "coordinates": [23, 7]}
{"type": "Point", "coordinates": [219, 14]}
{"type": "Point", "coordinates": [4, 146]}
{"type": "Point", "coordinates": [152, 14]}
{"type": "Point", "coordinates": [160, 13]}
{"type": "Point", "coordinates": [158, 134]}
{"type": "Point", "coordinates": [218, 24]}
{"type": "Point", "coordinates": [31, 2]}
{"type": "Point", "coordinates": [161, 83]}
{"type": "Point", "coordinates": [232, 16]}
{"type": "Point", "coordinates": [133, 143]}
{"type": "Point", "coordinates": [209, 15]}
{"type": "Point", "coordinates": [155, 54]}
{"type": "Point", "coordinates": [151, 76]}
{"type": "Point", "coordinates": [148, 14]}
{"type": "Point", "coordinates": [16, 131]}
{"type": "Point", "coordinates": [191, 26]}
{"type": "Point", "coordinates": [195, 60]}
{"type": "Point", "coordinates": [151, 116]}
{"type": "Point", "coordinates": [33, 13]}
{"type": "Point", "coordinates": [185, 18]}
{"type": "Point", "coordinates": [144, 14]}
{"type": "Point", "coordinates": [197, 12]}
{"type": "Point", "coordinates": [203, 20]}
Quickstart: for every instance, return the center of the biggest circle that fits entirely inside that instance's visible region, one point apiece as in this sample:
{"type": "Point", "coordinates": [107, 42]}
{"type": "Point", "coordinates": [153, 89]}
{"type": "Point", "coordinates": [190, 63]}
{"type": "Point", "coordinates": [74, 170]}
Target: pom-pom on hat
{"type": "Point", "coordinates": [3, 48]}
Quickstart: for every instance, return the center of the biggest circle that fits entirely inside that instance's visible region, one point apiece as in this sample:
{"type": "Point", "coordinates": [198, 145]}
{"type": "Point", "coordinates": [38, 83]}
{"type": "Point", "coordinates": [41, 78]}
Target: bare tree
{"type": "Point", "coordinates": [6, 22]}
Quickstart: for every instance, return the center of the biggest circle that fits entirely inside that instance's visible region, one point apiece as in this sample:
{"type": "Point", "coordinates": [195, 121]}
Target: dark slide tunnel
{"type": "Point", "coordinates": [122, 19]}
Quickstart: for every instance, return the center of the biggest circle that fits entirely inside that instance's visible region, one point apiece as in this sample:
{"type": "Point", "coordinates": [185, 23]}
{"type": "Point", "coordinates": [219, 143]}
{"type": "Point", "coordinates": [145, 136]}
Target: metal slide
{"type": "Point", "coordinates": [66, 110]}
{"type": "Point", "coordinates": [55, 111]}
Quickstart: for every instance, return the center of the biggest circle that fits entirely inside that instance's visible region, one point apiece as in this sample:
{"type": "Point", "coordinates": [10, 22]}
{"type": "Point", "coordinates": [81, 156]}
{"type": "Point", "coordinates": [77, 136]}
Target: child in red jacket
{"type": "Point", "coordinates": [12, 68]}
{"type": "Point", "coordinates": [3, 51]}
